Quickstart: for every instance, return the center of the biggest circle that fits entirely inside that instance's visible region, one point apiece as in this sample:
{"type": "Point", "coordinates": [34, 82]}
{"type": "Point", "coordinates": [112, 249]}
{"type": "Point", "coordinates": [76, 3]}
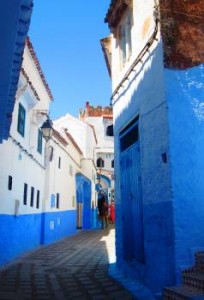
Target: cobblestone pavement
{"type": "Point", "coordinates": [73, 268]}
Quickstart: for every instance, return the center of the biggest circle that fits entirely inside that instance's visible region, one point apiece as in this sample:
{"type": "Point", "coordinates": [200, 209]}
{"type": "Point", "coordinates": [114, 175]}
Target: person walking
{"type": "Point", "coordinates": [102, 209]}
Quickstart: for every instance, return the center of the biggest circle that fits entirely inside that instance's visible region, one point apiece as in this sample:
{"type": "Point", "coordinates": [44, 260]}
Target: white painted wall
{"type": "Point", "coordinates": [34, 76]}
{"type": "Point", "coordinates": [142, 29]}
{"type": "Point", "coordinates": [105, 144]}
{"type": "Point", "coordinates": [83, 135]}
{"type": "Point", "coordinates": [20, 158]}
{"type": "Point", "coordinates": [61, 178]}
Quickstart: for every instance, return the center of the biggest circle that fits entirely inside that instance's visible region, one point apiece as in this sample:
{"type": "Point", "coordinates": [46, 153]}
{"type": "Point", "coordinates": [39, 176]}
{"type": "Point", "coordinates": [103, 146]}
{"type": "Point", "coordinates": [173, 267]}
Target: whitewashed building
{"type": "Point", "coordinates": [155, 58]}
{"type": "Point", "coordinates": [22, 177]}
{"type": "Point", "coordinates": [101, 119]}
{"type": "Point", "coordinates": [38, 187]}
{"type": "Point", "coordinates": [83, 137]}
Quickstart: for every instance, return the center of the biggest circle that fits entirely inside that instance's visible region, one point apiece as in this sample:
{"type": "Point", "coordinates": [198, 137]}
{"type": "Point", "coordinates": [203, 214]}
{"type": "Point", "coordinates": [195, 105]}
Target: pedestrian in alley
{"type": "Point", "coordinates": [112, 212]}
{"type": "Point", "coordinates": [102, 209]}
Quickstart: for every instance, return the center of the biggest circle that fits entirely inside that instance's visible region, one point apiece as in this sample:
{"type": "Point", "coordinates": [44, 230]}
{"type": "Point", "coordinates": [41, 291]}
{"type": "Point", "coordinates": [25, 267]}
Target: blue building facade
{"type": "Point", "coordinates": [158, 127]}
{"type": "Point", "coordinates": [185, 94]}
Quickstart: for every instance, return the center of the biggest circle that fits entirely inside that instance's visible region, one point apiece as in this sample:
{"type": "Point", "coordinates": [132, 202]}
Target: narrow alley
{"type": "Point", "coordinates": [73, 268]}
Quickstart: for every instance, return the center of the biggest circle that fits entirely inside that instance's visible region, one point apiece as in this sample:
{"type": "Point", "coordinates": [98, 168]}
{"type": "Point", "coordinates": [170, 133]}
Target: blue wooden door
{"type": "Point", "coordinates": [131, 199]}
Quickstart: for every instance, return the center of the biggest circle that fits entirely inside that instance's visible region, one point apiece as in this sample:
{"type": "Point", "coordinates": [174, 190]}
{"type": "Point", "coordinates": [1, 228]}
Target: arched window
{"type": "Point", "coordinates": [112, 164]}
{"type": "Point", "coordinates": [100, 163]}
{"type": "Point", "coordinates": [109, 130]}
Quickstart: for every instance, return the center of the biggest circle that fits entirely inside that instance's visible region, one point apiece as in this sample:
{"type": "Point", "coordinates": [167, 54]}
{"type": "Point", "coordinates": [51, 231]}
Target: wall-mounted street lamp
{"type": "Point", "coordinates": [47, 129]}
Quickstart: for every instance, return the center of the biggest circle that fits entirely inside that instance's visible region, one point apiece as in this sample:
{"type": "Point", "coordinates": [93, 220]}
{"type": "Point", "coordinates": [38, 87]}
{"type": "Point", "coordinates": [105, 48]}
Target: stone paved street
{"type": "Point", "coordinates": [74, 268]}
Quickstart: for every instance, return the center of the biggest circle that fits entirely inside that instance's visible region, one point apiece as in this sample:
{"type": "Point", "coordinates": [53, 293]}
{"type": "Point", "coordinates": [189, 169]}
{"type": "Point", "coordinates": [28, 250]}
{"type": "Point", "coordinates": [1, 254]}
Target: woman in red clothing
{"type": "Point", "coordinates": [112, 212]}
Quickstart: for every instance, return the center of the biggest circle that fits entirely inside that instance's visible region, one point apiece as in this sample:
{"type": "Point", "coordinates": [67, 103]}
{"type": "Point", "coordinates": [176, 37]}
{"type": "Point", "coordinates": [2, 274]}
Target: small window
{"type": "Point", "coordinates": [129, 135]}
{"type": "Point", "coordinates": [21, 120]}
{"type": "Point", "coordinates": [57, 200]}
{"type": "Point", "coordinates": [10, 183]}
{"type": "Point", "coordinates": [125, 39]}
{"type": "Point", "coordinates": [59, 163]}
{"type": "Point", "coordinates": [109, 130]}
{"type": "Point", "coordinates": [70, 170]}
{"type": "Point", "coordinates": [25, 193]}
{"type": "Point", "coordinates": [73, 201]}
{"type": "Point", "coordinates": [112, 163]}
{"type": "Point", "coordinates": [40, 138]}
{"type": "Point", "coordinates": [32, 196]}
{"type": "Point", "coordinates": [38, 199]}
{"type": "Point", "coordinates": [100, 163]}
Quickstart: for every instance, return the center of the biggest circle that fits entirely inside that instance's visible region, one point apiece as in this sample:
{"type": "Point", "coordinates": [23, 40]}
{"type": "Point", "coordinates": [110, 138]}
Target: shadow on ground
{"type": "Point", "coordinates": [73, 268]}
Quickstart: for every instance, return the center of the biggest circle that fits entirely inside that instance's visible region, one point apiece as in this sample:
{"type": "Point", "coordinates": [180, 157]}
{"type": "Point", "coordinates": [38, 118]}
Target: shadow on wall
{"type": "Point", "coordinates": [147, 102]}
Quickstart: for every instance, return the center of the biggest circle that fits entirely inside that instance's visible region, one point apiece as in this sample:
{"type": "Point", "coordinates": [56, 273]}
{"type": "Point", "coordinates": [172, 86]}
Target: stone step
{"type": "Point", "coordinates": [182, 293]}
{"type": "Point", "coordinates": [194, 280]}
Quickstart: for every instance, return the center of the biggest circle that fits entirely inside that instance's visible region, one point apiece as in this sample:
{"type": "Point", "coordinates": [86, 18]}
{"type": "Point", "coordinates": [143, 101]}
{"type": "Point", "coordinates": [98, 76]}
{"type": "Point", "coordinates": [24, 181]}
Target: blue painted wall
{"type": "Point", "coordinates": [185, 97]}
{"type": "Point", "coordinates": [25, 232]}
{"type": "Point", "coordinates": [18, 235]}
{"type": "Point", "coordinates": [146, 92]}
{"type": "Point", "coordinates": [170, 106]}
{"type": "Point", "coordinates": [58, 225]}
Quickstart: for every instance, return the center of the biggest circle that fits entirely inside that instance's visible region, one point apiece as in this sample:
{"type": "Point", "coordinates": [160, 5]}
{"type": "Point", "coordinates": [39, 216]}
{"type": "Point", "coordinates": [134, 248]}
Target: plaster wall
{"type": "Point", "coordinates": [26, 226]}
{"type": "Point", "coordinates": [61, 179]}
{"type": "Point", "coordinates": [100, 125]}
{"type": "Point", "coordinates": [185, 96]}
{"type": "Point", "coordinates": [107, 157]}
{"type": "Point", "coordinates": [80, 131]}
{"type": "Point", "coordinates": [34, 76]}
{"type": "Point", "coordinates": [18, 164]}
{"type": "Point", "coordinates": [143, 95]}
{"type": "Point", "coordinates": [143, 26]}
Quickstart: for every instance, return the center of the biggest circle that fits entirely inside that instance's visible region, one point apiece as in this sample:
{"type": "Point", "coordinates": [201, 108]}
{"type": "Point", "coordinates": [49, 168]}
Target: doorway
{"type": "Point", "coordinates": [131, 193]}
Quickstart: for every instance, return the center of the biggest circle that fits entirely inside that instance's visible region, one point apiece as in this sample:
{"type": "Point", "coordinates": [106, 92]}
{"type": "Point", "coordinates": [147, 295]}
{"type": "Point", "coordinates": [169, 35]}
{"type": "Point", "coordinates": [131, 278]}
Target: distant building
{"type": "Point", "coordinates": [101, 118]}
{"type": "Point", "coordinates": [157, 83]}
{"type": "Point", "coordinates": [14, 24]}
{"type": "Point", "coordinates": [83, 137]}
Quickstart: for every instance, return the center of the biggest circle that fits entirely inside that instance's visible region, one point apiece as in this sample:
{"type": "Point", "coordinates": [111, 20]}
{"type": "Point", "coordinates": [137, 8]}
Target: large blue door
{"type": "Point", "coordinates": [131, 197]}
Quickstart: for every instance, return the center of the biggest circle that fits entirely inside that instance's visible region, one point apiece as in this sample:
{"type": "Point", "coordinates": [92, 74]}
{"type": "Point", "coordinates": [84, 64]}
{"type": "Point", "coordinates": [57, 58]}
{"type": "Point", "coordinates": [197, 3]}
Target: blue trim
{"type": "Point", "coordinates": [14, 24]}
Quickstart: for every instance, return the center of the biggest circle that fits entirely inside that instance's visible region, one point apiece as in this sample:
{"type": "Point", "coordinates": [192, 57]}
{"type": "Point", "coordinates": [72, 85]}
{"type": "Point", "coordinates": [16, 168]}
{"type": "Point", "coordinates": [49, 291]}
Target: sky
{"type": "Point", "coordinates": [66, 38]}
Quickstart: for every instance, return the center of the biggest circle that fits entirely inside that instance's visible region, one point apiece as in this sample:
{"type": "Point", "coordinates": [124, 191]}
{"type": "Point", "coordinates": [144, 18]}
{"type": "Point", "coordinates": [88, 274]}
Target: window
{"type": "Point", "coordinates": [112, 164]}
{"type": "Point", "coordinates": [32, 196]}
{"type": "Point", "coordinates": [38, 199]}
{"type": "Point", "coordinates": [129, 135]}
{"type": "Point", "coordinates": [100, 163]}
{"type": "Point", "coordinates": [59, 163]}
{"type": "Point", "coordinates": [40, 138]}
{"type": "Point", "coordinates": [70, 170]}
{"type": "Point", "coordinates": [21, 120]}
{"type": "Point", "coordinates": [125, 39]}
{"type": "Point", "coordinates": [109, 130]}
{"type": "Point", "coordinates": [25, 193]}
{"type": "Point", "coordinates": [73, 201]}
{"type": "Point", "coordinates": [57, 200]}
{"type": "Point", "coordinates": [10, 183]}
